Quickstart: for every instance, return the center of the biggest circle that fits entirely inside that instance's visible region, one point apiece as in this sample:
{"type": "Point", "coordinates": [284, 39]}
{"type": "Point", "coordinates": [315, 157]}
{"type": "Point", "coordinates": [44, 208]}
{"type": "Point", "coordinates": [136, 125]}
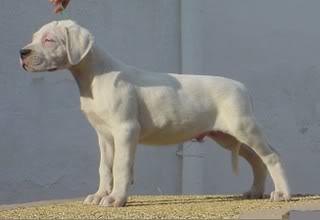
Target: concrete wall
{"type": "Point", "coordinates": [48, 150]}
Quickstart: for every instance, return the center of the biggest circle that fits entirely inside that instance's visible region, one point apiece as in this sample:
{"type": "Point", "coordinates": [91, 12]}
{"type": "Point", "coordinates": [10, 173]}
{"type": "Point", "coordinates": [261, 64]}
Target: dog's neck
{"type": "Point", "coordinates": [92, 65]}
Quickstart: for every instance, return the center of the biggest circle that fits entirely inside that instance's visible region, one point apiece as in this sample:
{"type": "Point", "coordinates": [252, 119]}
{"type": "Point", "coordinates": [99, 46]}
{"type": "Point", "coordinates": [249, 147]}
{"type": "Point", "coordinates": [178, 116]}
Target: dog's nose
{"type": "Point", "coordinates": [24, 53]}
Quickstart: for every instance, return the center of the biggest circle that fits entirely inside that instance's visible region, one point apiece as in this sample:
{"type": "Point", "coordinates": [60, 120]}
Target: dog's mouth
{"type": "Point", "coordinates": [24, 66]}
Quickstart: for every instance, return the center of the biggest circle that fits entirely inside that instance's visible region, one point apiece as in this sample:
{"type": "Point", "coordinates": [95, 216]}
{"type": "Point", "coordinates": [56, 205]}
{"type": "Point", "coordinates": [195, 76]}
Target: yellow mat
{"type": "Point", "coordinates": [160, 207]}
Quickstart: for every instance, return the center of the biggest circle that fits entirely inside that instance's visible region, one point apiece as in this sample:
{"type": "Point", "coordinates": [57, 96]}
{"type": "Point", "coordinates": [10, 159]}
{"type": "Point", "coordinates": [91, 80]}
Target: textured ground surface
{"type": "Point", "coordinates": [147, 207]}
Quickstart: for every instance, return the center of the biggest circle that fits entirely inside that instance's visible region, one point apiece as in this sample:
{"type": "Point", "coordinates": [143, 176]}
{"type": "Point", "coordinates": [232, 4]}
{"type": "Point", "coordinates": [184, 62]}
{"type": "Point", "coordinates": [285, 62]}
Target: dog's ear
{"type": "Point", "coordinates": [78, 42]}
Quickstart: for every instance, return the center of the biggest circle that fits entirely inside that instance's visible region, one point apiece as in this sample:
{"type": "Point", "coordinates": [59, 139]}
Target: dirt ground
{"type": "Point", "coordinates": [159, 207]}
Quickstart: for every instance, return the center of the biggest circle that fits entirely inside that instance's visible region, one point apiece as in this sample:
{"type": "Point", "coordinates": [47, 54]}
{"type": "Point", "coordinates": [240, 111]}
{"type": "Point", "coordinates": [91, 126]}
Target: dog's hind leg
{"type": "Point", "coordinates": [246, 130]}
{"type": "Point", "coordinates": [258, 168]}
{"type": "Point", "coordinates": [259, 173]}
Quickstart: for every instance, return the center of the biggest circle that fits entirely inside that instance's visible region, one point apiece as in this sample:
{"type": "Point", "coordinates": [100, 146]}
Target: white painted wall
{"type": "Point", "coordinates": [49, 151]}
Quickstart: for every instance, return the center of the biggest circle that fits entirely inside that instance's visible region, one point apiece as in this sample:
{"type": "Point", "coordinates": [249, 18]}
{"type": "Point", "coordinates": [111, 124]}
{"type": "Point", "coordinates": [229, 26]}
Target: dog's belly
{"type": "Point", "coordinates": [164, 137]}
{"type": "Point", "coordinates": [174, 121]}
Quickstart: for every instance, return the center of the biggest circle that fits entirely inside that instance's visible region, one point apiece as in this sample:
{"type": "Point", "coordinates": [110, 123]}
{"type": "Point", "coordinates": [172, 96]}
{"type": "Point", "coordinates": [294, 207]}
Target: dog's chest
{"type": "Point", "coordinates": [91, 111]}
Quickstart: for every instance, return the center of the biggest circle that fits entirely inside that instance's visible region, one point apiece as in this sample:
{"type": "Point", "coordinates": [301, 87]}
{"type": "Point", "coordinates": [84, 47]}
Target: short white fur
{"type": "Point", "coordinates": [127, 106]}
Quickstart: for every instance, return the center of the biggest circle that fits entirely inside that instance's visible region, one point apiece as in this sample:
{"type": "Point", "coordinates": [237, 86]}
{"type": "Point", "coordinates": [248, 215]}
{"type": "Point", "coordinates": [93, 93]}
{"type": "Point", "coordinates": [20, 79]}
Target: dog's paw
{"type": "Point", "coordinates": [113, 200]}
{"type": "Point", "coordinates": [93, 199]}
{"type": "Point", "coordinates": [253, 194]}
{"type": "Point", "coordinates": [280, 196]}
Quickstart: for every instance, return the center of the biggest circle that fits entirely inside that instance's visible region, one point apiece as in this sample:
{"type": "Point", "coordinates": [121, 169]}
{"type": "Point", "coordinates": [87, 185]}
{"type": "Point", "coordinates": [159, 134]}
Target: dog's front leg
{"type": "Point", "coordinates": [105, 171]}
{"type": "Point", "coordinates": [126, 140]}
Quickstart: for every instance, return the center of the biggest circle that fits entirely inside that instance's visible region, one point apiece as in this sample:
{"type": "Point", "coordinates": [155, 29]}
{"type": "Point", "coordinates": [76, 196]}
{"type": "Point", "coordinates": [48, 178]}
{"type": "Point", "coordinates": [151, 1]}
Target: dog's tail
{"type": "Point", "coordinates": [235, 158]}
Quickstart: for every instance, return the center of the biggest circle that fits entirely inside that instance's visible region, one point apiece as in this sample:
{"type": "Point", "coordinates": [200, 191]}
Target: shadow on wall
{"type": "Point", "coordinates": [306, 98]}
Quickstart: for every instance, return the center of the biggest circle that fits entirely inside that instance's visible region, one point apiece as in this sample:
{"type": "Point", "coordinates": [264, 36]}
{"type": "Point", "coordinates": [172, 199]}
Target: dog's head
{"type": "Point", "coordinates": [57, 45]}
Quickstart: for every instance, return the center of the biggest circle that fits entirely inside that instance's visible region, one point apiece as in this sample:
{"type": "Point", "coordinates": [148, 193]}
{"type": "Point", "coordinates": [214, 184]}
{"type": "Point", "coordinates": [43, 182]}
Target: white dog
{"type": "Point", "coordinates": [127, 106]}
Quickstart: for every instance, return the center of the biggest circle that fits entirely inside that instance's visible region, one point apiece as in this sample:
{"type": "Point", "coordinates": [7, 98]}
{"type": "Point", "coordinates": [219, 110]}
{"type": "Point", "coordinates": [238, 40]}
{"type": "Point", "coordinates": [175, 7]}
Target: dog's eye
{"type": "Point", "coordinates": [48, 40]}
